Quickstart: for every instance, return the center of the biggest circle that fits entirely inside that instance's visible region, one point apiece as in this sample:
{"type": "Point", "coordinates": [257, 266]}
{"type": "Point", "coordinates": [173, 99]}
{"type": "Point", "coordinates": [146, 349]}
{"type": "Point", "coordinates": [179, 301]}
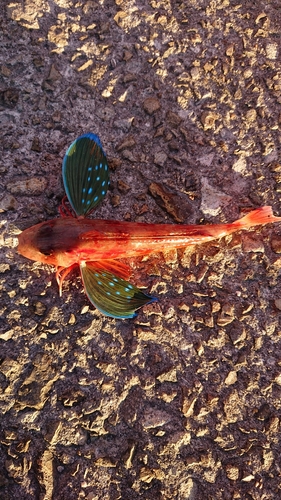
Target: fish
{"type": "Point", "coordinates": [96, 245]}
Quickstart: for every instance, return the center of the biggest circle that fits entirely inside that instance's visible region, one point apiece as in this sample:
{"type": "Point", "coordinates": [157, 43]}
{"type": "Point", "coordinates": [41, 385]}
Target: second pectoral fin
{"type": "Point", "coordinates": [111, 294]}
{"type": "Point", "coordinates": [85, 174]}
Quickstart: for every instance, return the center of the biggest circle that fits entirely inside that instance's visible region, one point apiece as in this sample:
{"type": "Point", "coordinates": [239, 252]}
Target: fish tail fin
{"type": "Point", "coordinates": [263, 215]}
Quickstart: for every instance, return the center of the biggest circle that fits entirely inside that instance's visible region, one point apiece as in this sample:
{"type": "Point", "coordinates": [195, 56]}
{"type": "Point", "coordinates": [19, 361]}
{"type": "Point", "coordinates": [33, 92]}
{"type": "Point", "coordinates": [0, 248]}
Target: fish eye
{"type": "Point", "coordinates": [45, 231]}
{"type": "Point", "coordinates": [45, 251]}
{"type": "Point", "coordinates": [45, 240]}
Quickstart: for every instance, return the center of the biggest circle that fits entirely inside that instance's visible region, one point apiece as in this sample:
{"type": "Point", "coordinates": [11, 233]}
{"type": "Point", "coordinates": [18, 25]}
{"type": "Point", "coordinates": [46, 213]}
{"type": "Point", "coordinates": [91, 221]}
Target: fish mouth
{"type": "Point", "coordinates": [24, 244]}
{"type": "Point", "coordinates": [27, 245]}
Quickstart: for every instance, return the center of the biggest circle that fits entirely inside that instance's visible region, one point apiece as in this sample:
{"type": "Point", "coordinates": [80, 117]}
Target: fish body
{"type": "Point", "coordinates": [67, 241]}
{"type": "Point", "coordinates": [96, 245]}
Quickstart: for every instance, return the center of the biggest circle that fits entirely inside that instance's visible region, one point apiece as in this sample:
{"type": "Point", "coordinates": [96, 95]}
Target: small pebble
{"type": "Point", "coordinates": [276, 244]}
{"type": "Point", "coordinates": [277, 303]}
{"type": "Point", "coordinates": [8, 202]}
{"type": "Point", "coordinates": [252, 244]}
{"type": "Point", "coordinates": [151, 105]}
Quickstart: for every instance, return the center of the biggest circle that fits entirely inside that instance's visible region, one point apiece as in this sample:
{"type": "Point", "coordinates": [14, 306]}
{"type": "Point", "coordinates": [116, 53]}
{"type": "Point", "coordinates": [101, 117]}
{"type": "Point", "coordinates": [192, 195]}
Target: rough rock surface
{"type": "Point", "coordinates": [182, 402]}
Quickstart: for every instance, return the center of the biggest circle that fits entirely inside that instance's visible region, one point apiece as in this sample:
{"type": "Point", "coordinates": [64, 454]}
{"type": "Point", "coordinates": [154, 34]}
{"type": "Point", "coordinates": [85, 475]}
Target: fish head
{"type": "Point", "coordinates": [37, 243]}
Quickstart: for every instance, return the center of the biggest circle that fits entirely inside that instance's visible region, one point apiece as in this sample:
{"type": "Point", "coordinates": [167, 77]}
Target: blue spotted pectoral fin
{"type": "Point", "coordinates": [111, 294]}
{"type": "Point", "coordinates": [85, 173]}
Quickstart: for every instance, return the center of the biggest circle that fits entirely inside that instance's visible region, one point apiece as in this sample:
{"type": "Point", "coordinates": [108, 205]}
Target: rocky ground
{"type": "Point", "coordinates": [182, 402]}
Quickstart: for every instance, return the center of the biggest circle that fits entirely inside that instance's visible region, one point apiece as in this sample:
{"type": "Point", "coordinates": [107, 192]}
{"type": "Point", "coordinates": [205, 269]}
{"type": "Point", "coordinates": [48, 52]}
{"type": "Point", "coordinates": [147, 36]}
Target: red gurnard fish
{"type": "Point", "coordinates": [94, 245]}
